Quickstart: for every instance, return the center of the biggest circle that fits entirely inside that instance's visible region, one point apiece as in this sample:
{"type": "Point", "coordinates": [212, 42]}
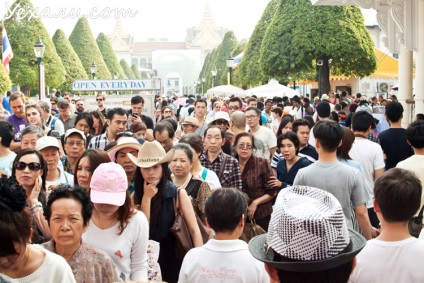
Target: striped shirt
{"type": "Point", "coordinates": [99, 142]}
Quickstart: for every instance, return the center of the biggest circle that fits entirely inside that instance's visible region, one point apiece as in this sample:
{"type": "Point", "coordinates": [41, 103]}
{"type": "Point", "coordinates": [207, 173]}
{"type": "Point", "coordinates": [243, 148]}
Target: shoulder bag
{"type": "Point", "coordinates": [251, 230]}
{"type": "Point", "coordinates": [416, 224]}
{"type": "Point", "coordinates": [182, 233]}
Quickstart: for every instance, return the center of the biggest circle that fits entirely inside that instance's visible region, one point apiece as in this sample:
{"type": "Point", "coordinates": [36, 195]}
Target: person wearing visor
{"type": "Point", "coordinates": [308, 239]}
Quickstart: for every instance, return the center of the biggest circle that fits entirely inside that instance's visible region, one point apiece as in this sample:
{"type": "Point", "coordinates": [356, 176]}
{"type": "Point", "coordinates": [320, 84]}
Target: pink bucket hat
{"type": "Point", "coordinates": [109, 184]}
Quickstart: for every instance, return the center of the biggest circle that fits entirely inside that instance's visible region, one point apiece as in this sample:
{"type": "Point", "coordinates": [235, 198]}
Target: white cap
{"type": "Point", "coordinates": [72, 131]}
{"type": "Point", "coordinates": [45, 141]}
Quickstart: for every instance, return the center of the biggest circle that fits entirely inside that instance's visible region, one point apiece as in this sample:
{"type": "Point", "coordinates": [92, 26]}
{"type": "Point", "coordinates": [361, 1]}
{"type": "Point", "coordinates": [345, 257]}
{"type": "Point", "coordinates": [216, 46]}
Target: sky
{"type": "Point", "coordinates": [154, 18]}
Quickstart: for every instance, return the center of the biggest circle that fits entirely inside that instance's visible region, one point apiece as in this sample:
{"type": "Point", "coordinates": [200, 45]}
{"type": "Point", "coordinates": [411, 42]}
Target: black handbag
{"type": "Point", "coordinates": [416, 224]}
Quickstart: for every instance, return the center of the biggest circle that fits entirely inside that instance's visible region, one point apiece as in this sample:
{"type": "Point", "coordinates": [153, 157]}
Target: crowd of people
{"type": "Point", "coordinates": [96, 196]}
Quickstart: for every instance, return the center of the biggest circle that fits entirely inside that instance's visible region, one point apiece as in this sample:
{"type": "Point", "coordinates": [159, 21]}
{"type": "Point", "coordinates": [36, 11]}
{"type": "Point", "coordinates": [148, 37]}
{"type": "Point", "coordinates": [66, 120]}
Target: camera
{"type": "Point", "coordinates": [320, 62]}
{"type": "Point", "coordinates": [55, 134]}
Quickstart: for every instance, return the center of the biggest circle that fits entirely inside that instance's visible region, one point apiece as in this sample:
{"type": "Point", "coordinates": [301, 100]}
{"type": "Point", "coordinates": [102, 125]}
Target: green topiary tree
{"type": "Point", "coordinates": [136, 71]}
{"type": "Point", "coordinates": [73, 66]}
{"type": "Point", "coordinates": [5, 83]}
{"type": "Point", "coordinates": [109, 56]}
{"type": "Point", "coordinates": [294, 42]}
{"type": "Point", "coordinates": [85, 46]}
{"type": "Point", "coordinates": [23, 34]}
{"type": "Point", "coordinates": [229, 43]}
{"type": "Point", "coordinates": [249, 72]}
{"type": "Point", "coordinates": [127, 69]}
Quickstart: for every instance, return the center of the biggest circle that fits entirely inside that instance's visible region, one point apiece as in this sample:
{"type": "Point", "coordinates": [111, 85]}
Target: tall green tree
{"type": "Point", "coordinates": [85, 46]}
{"type": "Point", "coordinates": [136, 71]}
{"type": "Point", "coordinates": [71, 62]}
{"type": "Point", "coordinates": [23, 34]}
{"type": "Point", "coordinates": [294, 43]}
{"type": "Point", "coordinates": [226, 48]}
{"type": "Point", "coordinates": [250, 72]}
{"type": "Point", "coordinates": [5, 83]}
{"type": "Point", "coordinates": [127, 69]}
{"type": "Point", "coordinates": [109, 56]}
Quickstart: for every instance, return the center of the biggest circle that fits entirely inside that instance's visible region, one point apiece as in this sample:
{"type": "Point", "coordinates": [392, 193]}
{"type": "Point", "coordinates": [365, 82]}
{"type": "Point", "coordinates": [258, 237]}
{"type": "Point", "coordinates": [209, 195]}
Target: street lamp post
{"type": "Point", "coordinates": [214, 72]}
{"type": "Point", "coordinates": [203, 84]}
{"type": "Point", "coordinates": [230, 61]}
{"type": "Point", "coordinates": [39, 49]}
{"type": "Point", "coordinates": [198, 87]}
{"type": "Point", "coordinates": [93, 69]}
{"type": "Point", "coordinates": [320, 62]}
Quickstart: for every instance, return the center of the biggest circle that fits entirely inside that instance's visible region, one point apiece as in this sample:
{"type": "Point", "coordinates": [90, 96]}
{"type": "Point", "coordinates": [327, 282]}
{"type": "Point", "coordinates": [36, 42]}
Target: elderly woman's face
{"type": "Point", "coordinates": [27, 177]}
{"type": "Point", "coordinates": [244, 147]}
{"type": "Point", "coordinates": [180, 164]}
{"type": "Point", "coordinates": [67, 222]}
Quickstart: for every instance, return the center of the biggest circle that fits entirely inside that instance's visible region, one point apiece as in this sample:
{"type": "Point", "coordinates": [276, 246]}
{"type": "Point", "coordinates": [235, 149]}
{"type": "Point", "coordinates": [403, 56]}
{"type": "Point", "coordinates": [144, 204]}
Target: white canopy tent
{"type": "Point", "coordinates": [273, 88]}
{"type": "Point", "coordinates": [226, 90]}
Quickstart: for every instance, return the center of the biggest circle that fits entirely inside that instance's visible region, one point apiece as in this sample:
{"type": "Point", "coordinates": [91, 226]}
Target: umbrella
{"type": "Point", "coordinates": [180, 101]}
{"type": "Point", "coordinates": [226, 90]}
{"type": "Point", "coordinates": [273, 88]}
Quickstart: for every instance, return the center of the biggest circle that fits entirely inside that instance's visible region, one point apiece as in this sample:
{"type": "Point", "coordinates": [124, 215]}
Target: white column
{"type": "Point", "coordinates": [419, 75]}
{"type": "Point", "coordinates": [405, 83]}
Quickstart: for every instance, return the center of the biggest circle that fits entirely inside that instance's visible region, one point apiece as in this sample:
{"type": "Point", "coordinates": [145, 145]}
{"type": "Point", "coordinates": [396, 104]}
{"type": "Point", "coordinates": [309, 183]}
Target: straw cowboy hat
{"type": "Point", "coordinates": [150, 154]}
{"type": "Point", "coordinates": [191, 121]}
{"type": "Point", "coordinates": [124, 142]}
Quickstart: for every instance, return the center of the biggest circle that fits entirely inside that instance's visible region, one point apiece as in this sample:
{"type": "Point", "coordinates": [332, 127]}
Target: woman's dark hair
{"type": "Point", "coordinates": [15, 220]}
{"type": "Point", "coordinates": [138, 126]}
{"type": "Point", "coordinates": [77, 193]}
{"type": "Point", "coordinates": [87, 117]}
{"type": "Point", "coordinates": [238, 137]}
{"type": "Point", "coordinates": [102, 124]}
{"type": "Point", "coordinates": [284, 121]}
{"type": "Point", "coordinates": [347, 142]}
{"type": "Point", "coordinates": [125, 212]}
{"type": "Point", "coordinates": [7, 133]}
{"type": "Point", "coordinates": [95, 156]}
{"type": "Point", "coordinates": [156, 200]}
{"type": "Point", "coordinates": [224, 209]}
{"type": "Point", "coordinates": [193, 140]}
{"type": "Point", "coordinates": [186, 148]}
{"type": "Point", "coordinates": [27, 151]}
{"type": "Point", "coordinates": [289, 136]}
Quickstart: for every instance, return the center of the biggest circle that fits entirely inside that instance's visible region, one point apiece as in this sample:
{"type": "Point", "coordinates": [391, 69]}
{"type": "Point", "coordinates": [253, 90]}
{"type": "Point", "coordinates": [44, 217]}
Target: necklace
{"type": "Point", "coordinates": [27, 255]}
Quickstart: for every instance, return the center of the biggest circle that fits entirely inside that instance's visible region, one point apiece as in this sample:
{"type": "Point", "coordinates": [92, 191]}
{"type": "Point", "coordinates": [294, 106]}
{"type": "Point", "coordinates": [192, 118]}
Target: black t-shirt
{"type": "Point", "coordinates": [146, 120]}
{"type": "Point", "coordinates": [395, 146]}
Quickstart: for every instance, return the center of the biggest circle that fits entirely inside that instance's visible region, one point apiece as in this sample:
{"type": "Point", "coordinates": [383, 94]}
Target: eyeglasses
{"type": "Point", "coordinates": [72, 143]}
{"type": "Point", "coordinates": [251, 117]}
{"type": "Point", "coordinates": [33, 166]}
{"type": "Point", "coordinates": [53, 103]}
{"type": "Point", "coordinates": [244, 146]}
{"type": "Point", "coordinates": [233, 107]}
{"type": "Point", "coordinates": [99, 99]}
{"type": "Point", "coordinates": [220, 122]}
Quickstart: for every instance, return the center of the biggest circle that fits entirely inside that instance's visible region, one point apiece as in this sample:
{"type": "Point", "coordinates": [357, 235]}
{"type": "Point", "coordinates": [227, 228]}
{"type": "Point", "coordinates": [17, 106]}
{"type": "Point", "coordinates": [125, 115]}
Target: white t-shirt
{"type": "Point", "coordinates": [54, 269]}
{"type": "Point", "coordinates": [64, 178]}
{"type": "Point", "coordinates": [370, 155]}
{"type": "Point", "coordinates": [222, 261]}
{"type": "Point", "coordinates": [415, 164]}
{"type": "Point", "coordinates": [390, 262]}
{"type": "Point", "coordinates": [128, 250]}
{"type": "Point", "coordinates": [211, 178]}
{"type": "Point", "coordinates": [264, 140]}
{"type": "Point", "coordinates": [7, 161]}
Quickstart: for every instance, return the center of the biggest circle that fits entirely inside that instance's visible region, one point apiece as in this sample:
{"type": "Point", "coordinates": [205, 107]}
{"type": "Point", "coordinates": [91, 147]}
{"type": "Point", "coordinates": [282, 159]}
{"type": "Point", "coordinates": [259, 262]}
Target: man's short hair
{"type": "Point", "coordinates": [251, 99]}
{"type": "Point", "coordinates": [323, 109]}
{"type": "Point", "coordinates": [420, 116]}
{"type": "Point", "coordinates": [200, 101]}
{"type": "Point", "coordinates": [63, 104]}
{"type": "Point", "coordinates": [329, 133]}
{"type": "Point", "coordinates": [300, 122]}
{"type": "Point", "coordinates": [258, 112]}
{"type": "Point", "coordinates": [7, 133]}
{"type": "Point", "coordinates": [16, 95]}
{"type": "Point", "coordinates": [45, 105]}
{"type": "Point", "coordinates": [137, 100]}
{"type": "Point", "coordinates": [118, 111]}
{"type": "Point", "coordinates": [362, 121]}
{"type": "Point", "coordinates": [32, 129]}
{"type": "Point", "coordinates": [394, 111]}
{"type": "Point", "coordinates": [236, 99]}
{"type": "Point", "coordinates": [337, 107]}
{"type": "Point", "coordinates": [101, 95]}
{"type": "Point", "coordinates": [415, 134]}
{"type": "Point", "coordinates": [164, 126]}
{"type": "Point", "coordinates": [398, 194]}
{"type": "Point", "coordinates": [239, 119]}
{"type": "Point", "coordinates": [215, 127]}
{"type": "Point", "coordinates": [224, 209]}
{"type": "Point", "coordinates": [277, 110]}
{"type": "Point", "coordinates": [190, 100]}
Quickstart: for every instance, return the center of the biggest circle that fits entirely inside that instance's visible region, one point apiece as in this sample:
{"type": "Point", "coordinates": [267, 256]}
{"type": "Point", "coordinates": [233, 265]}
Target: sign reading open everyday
{"type": "Point", "coordinates": [116, 85]}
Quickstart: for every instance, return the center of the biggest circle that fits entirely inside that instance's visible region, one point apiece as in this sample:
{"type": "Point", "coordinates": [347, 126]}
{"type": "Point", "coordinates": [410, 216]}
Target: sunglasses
{"type": "Point", "coordinates": [99, 99]}
{"type": "Point", "coordinates": [220, 122]}
{"type": "Point", "coordinates": [234, 107]}
{"type": "Point", "coordinates": [33, 166]}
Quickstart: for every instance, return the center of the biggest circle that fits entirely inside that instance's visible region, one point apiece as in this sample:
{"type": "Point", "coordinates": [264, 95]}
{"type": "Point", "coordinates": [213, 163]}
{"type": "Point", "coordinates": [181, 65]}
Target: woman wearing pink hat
{"type": "Point", "coordinates": [115, 226]}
